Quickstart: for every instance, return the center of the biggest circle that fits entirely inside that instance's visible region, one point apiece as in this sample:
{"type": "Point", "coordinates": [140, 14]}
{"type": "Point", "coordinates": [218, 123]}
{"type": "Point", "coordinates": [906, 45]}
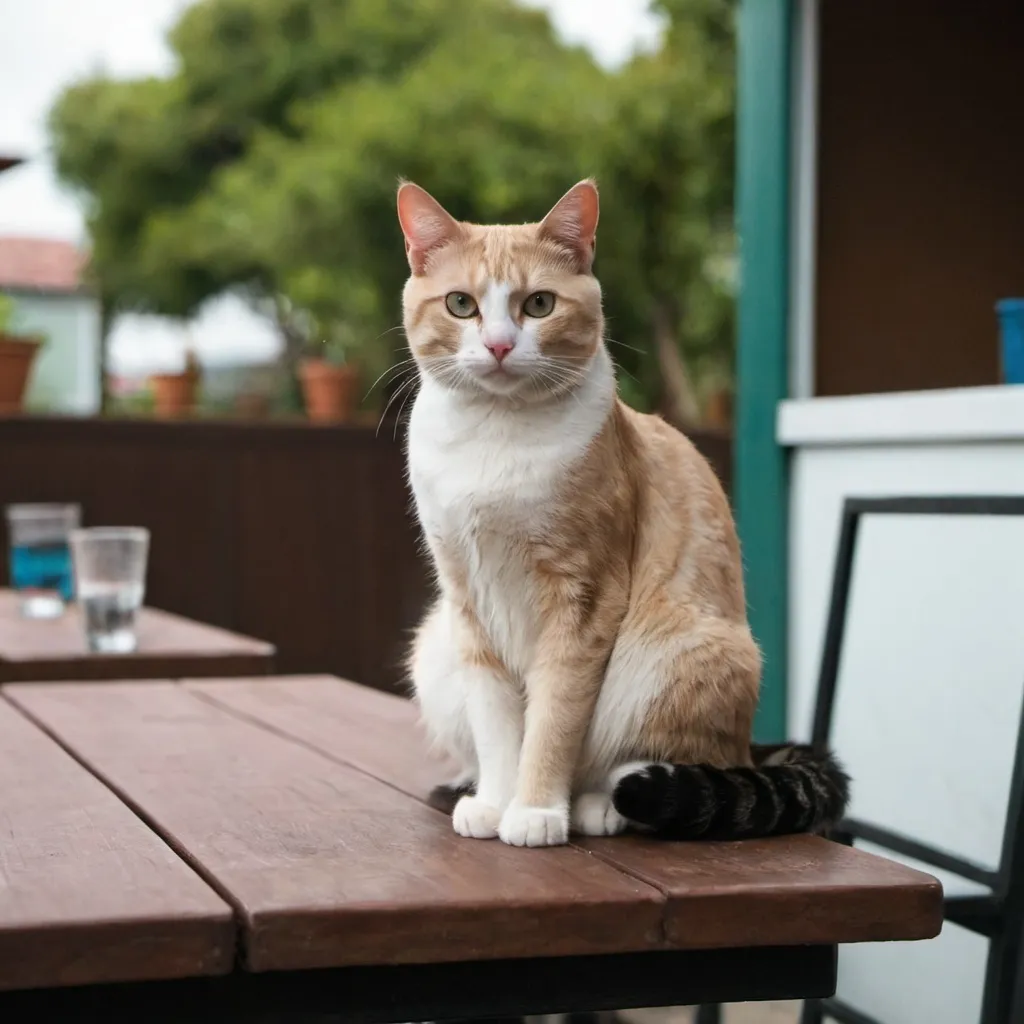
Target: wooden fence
{"type": "Point", "coordinates": [295, 534]}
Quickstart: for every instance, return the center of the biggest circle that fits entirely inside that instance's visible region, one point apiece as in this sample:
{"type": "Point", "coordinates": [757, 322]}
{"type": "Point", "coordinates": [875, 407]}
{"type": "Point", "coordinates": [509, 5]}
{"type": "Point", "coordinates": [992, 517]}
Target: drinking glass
{"type": "Point", "coordinates": [40, 563]}
{"type": "Point", "coordinates": [110, 584]}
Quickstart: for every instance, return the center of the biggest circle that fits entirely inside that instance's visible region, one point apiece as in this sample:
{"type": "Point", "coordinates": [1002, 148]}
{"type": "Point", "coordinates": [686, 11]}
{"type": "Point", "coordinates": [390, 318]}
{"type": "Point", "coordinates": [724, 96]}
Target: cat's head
{"type": "Point", "coordinates": [504, 310]}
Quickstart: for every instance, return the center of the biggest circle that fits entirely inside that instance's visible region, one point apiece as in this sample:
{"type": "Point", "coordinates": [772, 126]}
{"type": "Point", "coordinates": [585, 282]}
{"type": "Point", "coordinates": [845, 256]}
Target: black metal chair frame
{"type": "Point", "coordinates": [999, 917]}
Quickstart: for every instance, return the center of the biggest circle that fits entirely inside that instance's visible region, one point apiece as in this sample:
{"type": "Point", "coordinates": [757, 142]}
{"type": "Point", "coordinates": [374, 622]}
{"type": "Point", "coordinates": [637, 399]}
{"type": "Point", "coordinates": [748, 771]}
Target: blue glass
{"type": "Point", "coordinates": [1011, 320]}
{"type": "Point", "coordinates": [42, 567]}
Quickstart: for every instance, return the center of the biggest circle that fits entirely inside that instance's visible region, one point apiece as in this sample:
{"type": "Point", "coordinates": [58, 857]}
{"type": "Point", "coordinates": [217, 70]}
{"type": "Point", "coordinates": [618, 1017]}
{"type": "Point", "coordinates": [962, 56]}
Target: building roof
{"type": "Point", "coordinates": [40, 265]}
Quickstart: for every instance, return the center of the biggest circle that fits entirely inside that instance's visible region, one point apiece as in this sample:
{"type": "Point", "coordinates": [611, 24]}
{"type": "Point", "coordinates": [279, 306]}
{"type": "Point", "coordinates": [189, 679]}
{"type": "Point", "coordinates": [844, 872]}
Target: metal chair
{"type": "Point", "coordinates": [998, 916]}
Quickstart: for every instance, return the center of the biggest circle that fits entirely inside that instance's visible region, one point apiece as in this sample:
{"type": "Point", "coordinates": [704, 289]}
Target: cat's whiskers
{"type": "Point", "coordinates": [446, 369]}
{"type": "Point", "coordinates": [560, 380]}
{"type": "Point", "coordinates": [390, 330]}
{"type": "Point", "coordinates": [622, 344]}
{"type": "Point", "coordinates": [618, 366]}
{"type": "Point", "coordinates": [398, 418]}
{"type": "Point", "coordinates": [404, 387]}
{"type": "Point", "coordinates": [405, 365]}
{"type": "Point", "coordinates": [563, 375]}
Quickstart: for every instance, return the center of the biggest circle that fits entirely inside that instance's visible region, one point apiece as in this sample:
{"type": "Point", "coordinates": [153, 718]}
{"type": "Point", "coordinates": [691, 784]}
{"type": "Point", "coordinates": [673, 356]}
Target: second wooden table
{"type": "Point", "coordinates": [170, 647]}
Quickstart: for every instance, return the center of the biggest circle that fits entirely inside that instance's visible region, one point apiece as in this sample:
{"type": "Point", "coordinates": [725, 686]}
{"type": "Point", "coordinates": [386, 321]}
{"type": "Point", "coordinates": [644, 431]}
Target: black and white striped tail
{"type": "Point", "coordinates": [791, 788]}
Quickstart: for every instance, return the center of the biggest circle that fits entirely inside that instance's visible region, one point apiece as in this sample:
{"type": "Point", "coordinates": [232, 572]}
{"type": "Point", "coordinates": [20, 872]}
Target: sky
{"type": "Point", "coordinates": [47, 44]}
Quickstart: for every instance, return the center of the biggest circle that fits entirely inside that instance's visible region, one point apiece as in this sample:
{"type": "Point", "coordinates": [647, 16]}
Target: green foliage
{"type": "Point", "coordinates": [667, 177]}
{"type": "Point", "coordinates": [270, 159]}
{"type": "Point", "coordinates": [6, 313]}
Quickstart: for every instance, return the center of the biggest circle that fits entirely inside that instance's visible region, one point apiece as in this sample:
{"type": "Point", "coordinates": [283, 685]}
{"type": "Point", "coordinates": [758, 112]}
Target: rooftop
{"type": "Point", "coordinates": [40, 264]}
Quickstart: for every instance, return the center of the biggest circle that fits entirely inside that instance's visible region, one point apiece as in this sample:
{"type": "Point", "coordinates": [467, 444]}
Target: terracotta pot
{"type": "Point", "coordinates": [16, 358]}
{"type": "Point", "coordinates": [329, 390]}
{"type": "Point", "coordinates": [719, 409]}
{"type": "Point", "coordinates": [252, 406]}
{"type": "Point", "coordinates": [174, 394]}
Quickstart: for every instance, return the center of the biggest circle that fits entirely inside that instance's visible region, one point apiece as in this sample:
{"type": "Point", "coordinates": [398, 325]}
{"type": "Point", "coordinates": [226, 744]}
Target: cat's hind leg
{"type": "Point", "coordinates": [594, 814]}
{"type": "Point", "coordinates": [441, 697]}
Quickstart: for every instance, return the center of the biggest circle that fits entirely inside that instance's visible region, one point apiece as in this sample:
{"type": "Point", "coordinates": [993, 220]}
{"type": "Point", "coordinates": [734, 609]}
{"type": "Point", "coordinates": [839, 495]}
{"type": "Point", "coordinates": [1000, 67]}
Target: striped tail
{"type": "Point", "coordinates": [792, 788]}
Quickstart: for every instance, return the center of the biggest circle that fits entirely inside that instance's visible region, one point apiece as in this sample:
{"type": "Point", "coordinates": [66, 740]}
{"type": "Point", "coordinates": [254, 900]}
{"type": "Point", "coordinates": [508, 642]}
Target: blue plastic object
{"type": "Point", "coordinates": [42, 567]}
{"type": "Point", "coordinates": [1011, 322]}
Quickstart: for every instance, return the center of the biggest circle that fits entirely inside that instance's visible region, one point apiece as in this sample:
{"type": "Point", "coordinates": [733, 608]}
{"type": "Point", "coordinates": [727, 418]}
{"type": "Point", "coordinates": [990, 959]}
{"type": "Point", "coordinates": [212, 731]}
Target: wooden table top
{"type": "Point", "coordinates": [151, 829]}
{"type": "Point", "coordinates": [170, 647]}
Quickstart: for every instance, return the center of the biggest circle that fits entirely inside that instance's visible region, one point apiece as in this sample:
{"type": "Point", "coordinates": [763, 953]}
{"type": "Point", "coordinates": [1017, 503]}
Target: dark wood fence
{"type": "Point", "coordinates": [299, 535]}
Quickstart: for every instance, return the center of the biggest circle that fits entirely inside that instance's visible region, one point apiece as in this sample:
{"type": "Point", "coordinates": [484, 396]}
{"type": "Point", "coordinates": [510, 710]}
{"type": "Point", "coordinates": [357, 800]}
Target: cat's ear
{"type": "Point", "coordinates": [426, 224]}
{"type": "Point", "coordinates": [572, 221]}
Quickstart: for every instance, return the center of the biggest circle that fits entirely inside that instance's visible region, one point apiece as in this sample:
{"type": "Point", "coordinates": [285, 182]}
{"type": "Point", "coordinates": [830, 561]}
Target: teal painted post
{"type": "Point", "coordinates": [760, 484]}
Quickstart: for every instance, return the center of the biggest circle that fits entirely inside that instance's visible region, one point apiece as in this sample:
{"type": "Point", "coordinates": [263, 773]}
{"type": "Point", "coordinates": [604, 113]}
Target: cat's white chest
{"type": "Point", "coordinates": [482, 501]}
{"type": "Point", "coordinates": [486, 482]}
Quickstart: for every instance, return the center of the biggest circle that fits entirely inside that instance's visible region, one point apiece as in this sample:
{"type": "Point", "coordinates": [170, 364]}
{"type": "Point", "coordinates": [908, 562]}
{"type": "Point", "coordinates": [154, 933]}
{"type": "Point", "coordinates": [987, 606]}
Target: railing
{"type": "Point", "coordinates": [295, 534]}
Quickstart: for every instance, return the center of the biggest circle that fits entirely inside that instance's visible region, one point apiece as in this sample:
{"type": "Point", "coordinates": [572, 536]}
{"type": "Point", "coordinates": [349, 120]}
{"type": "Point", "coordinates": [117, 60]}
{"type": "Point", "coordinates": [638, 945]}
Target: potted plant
{"type": "Point", "coordinates": [717, 392]}
{"type": "Point", "coordinates": [17, 353]}
{"type": "Point", "coordinates": [329, 376]}
{"type": "Point", "coordinates": [174, 394]}
{"type": "Point", "coordinates": [718, 410]}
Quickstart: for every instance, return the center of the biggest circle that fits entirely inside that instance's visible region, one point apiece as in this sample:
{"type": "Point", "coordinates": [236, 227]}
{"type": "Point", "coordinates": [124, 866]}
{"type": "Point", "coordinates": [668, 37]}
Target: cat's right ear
{"type": "Point", "coordinates": [426, 224]}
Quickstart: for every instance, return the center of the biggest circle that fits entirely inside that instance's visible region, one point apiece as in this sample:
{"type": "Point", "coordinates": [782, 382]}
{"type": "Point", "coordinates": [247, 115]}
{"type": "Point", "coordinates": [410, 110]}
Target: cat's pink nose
{"type": "Point", "coordinates": [499, 349]}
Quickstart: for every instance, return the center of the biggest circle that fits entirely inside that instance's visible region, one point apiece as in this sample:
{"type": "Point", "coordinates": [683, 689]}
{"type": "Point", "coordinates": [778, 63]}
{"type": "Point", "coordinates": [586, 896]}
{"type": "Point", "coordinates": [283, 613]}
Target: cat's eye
{"type": "Point", "coordinates": [539, 304]}
{"type": "Point", "coordinates": [460, 304]}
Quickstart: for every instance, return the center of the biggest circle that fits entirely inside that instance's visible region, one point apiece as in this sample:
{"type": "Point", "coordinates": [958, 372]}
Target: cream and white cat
{"type": "Point", "coordinates": [588, 659]}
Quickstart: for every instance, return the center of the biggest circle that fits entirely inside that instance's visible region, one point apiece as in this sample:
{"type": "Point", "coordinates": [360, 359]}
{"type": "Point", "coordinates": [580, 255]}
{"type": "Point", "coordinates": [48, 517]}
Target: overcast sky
{"type": "Point", "coordinates": [45, 44]}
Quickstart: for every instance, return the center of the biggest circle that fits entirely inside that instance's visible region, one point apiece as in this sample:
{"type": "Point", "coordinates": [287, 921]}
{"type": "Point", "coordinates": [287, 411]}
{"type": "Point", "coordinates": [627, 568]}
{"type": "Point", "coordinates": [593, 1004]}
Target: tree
{"type": "Point", "coordinates": [494, 131]}
{"type": "Point", "coordinates": [667, 172]}
{"type": "Point", "coordinates": [269, 160]}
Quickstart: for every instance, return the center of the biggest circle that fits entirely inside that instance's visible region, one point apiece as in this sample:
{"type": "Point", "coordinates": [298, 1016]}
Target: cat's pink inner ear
{"type": "Point", "coordinates": [572, 221]}
{"type": "Point", "coordinates": [426, 224]}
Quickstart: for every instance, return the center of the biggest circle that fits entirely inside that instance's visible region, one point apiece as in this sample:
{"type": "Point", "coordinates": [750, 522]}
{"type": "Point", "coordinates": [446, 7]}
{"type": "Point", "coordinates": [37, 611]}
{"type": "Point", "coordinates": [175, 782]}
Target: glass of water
{"type": "Point", "coordinates": [110, 584]}
{"type": "Point", "coordinates": [40, 561]}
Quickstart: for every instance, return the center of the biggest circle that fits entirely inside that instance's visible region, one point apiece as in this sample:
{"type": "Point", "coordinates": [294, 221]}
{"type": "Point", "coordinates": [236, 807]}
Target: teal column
{"type": "Point", "coordinates": [762, 202]}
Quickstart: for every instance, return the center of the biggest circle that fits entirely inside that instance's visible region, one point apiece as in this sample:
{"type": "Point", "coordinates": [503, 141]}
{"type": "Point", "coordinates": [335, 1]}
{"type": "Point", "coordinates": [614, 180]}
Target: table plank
{"type": "Point", "coordinates": [325, 865]}
{"type": "Point", "coordinates": [376, 732]}
{"type": "Point", "coordinates": [788, 890]}
{"type": "Point", "coordinates": [170, 647]}
{"type": "Point", "coordinates": [88, 893]}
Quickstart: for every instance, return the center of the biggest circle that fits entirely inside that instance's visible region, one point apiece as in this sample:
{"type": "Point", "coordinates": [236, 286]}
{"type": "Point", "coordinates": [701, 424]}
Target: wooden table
{"type": "Point", "coordinates": [170, 647]}
{"type": "Point", "coordinates": [264, 849]}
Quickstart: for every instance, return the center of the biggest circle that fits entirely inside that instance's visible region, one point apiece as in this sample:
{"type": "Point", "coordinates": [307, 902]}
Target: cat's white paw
{"type": "Point", "coordinates": [534, 826]}
{"type": "Point", "coordinates": [594, 814]}
{"type": "Point", "coordinates": [475, 819]}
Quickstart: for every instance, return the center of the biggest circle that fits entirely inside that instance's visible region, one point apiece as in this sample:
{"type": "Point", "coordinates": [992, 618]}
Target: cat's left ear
{"type": "Point", "coordinates": [572, 221]}
{"type": "Point", "coordinates": [426, 224]}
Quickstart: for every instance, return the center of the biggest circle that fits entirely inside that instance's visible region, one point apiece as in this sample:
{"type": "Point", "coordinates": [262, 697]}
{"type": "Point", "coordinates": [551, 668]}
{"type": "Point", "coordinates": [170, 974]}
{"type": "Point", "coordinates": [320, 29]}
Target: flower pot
{"type": "Point", "coordinates": [174, 394]}
{"type": "Point", "coordinates": [329, 390]}
{"type": "Point", "coordinates": [251, 405]}
{"type": "Point", "coordinates": [718, 412]}
{"type": "Point", "coordinates": [16, 358]}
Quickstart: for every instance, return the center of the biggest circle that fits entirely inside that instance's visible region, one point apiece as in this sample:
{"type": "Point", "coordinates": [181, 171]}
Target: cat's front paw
{"type": "Point", "coordinates": [594, 814]}
{"type": "Point", "coordinates": [475, 819]}
{"type": "Point", "coordinates": [534, 826]}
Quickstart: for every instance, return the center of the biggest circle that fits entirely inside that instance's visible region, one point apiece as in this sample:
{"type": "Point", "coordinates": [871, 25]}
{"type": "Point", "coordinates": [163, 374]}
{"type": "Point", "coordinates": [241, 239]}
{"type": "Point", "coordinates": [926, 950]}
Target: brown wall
{"type": "Point", "coordinates": [921, 190]}
{"type": "Point", "coordinates": [294, 534]}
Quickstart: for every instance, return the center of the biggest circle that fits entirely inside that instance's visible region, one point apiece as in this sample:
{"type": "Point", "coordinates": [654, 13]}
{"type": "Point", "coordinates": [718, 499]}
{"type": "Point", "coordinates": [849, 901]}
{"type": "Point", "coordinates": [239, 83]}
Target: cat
{"type": "Point", "coordinates": [588, 660]}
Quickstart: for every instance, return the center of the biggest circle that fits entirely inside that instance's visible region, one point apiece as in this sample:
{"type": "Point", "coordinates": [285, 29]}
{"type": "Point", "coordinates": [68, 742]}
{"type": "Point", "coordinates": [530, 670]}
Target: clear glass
{"type": "Point", "coordinates": [40, 562]}
{"type": "Point", "coordinates": [110, 584]}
